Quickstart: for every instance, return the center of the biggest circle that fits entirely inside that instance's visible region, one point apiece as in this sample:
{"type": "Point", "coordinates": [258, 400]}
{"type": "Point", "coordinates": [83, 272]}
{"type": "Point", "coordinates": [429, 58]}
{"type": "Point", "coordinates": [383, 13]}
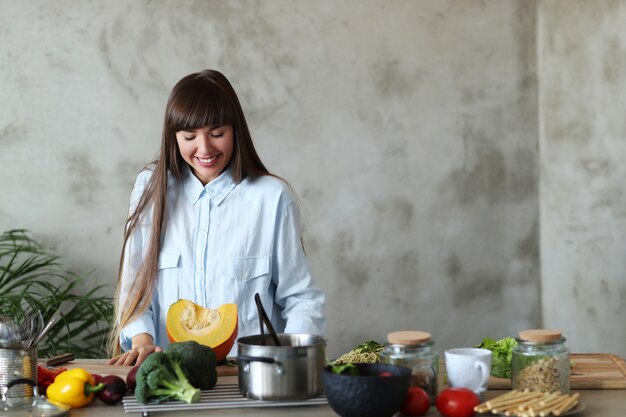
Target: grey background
{"type": "Point", "coordinates": [458, 163]}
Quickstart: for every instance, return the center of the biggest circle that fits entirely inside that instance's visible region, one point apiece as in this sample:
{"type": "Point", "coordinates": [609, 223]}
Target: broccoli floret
{"type": "Point", "coordinates": [160, 377]}
{"type": "Point", "coordinates": [197, 361]}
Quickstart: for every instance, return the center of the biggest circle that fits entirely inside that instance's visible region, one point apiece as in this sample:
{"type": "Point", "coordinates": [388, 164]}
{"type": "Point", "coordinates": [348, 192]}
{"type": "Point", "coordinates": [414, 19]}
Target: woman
{"type": "Point", "coordinates": [209, 223]}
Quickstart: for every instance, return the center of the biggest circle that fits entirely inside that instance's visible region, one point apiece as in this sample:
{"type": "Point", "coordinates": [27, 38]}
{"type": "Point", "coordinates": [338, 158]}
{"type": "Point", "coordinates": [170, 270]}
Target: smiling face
{"type": "Point", "coordinates": [207, 150]}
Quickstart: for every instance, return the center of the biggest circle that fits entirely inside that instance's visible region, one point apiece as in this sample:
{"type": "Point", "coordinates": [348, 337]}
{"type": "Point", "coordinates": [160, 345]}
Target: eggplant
{"type": "Point", "coordinates": [114, 389]}
{"type": "Point", "coordinates": [131, 382]}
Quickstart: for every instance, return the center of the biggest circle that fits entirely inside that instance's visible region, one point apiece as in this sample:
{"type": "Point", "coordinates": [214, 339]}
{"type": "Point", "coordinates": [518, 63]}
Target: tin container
{"type": "Point", "coordinates": [540, 362]}
{"type": "Point", "coordinates": [414, 350]}
{"type": "Point", "coordinates": [16, 364]}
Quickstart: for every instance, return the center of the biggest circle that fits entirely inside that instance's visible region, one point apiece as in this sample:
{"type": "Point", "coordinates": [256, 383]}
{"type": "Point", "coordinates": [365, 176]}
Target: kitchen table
{"type": "Point", "coordinates": [600, 403]}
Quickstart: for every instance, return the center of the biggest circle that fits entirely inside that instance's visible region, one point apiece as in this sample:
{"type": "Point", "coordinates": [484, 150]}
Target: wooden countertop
{"type": "Point", "coordinates": [605, 403]}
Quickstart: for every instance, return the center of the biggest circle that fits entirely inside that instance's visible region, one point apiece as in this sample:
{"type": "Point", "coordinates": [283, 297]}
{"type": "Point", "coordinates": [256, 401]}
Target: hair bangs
{"type": "Point", "coordinates": [199, 104]}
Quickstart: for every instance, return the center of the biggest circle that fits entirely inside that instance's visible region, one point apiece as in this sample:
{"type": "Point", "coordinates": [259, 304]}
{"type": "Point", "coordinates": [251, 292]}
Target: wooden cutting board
{"type": "Point", "coordinates": [97, 366]}
{"type": "Point", "coordinates": [590, 371]}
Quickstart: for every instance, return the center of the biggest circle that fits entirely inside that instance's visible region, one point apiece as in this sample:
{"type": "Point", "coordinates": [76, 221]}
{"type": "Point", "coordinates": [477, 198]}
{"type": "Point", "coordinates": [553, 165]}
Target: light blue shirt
{"type": "Point", "coordinates": [223, 243]}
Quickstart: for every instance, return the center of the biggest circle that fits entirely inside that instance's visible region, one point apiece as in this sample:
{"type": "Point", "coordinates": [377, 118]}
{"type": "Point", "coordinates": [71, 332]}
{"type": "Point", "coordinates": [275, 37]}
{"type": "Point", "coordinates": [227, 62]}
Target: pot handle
{"type": "Point", "coordinates": [16, 382]}
{"type": "Point", "coordinates": [280, 369]}
{"type": "Point", "coordinates": [246, 358]}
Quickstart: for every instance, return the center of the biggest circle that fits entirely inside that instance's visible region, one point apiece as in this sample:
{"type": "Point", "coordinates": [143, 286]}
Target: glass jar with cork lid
{"type": "Point", "coordinates": [540, 362]}
{"type": "Point", "coordinates": [414, 349]}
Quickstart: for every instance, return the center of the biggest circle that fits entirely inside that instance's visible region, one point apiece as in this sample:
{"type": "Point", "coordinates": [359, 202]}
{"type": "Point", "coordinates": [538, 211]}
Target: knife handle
{"type": "Point", "coordinates": [60, 359]}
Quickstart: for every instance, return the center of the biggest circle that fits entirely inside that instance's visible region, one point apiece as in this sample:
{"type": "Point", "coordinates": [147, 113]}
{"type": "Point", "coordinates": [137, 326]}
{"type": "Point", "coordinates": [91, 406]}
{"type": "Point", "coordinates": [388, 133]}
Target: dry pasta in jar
{"type": "Point", "coordinates": [541, 362]}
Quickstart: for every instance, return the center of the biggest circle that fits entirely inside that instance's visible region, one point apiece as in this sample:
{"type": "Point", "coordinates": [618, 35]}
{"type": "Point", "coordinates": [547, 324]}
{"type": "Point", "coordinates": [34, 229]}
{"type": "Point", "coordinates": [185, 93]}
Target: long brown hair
{"type": "Point", "coordinates": [201, 99]}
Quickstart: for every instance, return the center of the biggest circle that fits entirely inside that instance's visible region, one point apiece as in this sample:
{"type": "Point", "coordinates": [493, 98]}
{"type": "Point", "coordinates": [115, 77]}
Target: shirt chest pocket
{"type": "Point", "coordinates": [167, 276]}
{"type": "Point", "coordinates": [246, 269]}
{"type": "Point", "coordinates": [168, 259]}
{"type": "Point", "coordinates": [248, 276]}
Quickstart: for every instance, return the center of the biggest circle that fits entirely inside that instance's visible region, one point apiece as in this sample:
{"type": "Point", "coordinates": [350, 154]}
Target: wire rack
{"type": "Point", "coordinates": [220, 397]}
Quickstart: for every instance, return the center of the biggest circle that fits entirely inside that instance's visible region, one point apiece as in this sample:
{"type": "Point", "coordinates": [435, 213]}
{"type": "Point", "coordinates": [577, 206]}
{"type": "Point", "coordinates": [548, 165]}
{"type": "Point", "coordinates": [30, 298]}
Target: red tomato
{"type": "Point", "coordinates": [416, 403]}
{"type": "Point", "coordinates": [457, 402]}
{"type": "Point", "coordinates": [385, 373]}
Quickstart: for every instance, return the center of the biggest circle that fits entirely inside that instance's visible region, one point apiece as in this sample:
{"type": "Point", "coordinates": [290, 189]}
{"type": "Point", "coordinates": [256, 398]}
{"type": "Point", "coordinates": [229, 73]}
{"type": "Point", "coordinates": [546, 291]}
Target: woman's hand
{"type": "Point", "coordinates": [142, 346]}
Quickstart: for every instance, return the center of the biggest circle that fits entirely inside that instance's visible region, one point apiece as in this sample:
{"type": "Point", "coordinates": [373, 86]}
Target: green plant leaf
{"type": "Point", "coordinates": [33, 279]}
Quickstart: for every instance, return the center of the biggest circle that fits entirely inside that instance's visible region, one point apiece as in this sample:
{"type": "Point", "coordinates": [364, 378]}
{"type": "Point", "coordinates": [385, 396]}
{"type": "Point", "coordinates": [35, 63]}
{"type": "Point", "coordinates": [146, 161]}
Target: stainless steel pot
{"type": "Point", "coordinates": [287, 372]}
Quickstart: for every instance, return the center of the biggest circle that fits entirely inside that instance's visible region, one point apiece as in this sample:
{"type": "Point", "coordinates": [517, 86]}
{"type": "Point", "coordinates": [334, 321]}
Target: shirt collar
{"type": "Point", "coordinates": [218, 189]}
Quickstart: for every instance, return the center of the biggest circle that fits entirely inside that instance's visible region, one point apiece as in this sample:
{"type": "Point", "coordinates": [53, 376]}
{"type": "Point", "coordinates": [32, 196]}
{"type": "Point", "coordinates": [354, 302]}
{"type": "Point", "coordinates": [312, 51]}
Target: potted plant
{"type": "Point", "coordinates": [33, 280]}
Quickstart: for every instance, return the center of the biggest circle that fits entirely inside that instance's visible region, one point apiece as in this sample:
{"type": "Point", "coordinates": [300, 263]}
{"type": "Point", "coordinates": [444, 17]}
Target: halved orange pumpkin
{"type": "Point", "coordinates": [216, 328]}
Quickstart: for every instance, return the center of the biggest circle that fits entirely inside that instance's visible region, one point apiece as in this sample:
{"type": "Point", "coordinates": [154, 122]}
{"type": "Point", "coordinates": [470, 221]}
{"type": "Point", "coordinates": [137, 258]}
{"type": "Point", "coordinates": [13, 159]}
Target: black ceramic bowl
{"type": "Point", "coordinates": [367, 394]}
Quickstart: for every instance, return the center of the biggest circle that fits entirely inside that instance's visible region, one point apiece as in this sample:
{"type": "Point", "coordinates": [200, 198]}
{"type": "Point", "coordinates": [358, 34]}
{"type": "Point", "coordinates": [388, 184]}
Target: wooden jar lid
{"type": "Point", "coordinates": [408, 337]}
{"type": "Point", "coordinates": [540, 335]}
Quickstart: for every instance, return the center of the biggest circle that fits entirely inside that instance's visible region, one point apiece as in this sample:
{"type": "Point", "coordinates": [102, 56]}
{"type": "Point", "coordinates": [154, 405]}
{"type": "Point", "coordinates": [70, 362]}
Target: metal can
{"type": "Point", "coordinates": [540, 362]}
{"type": "Point", "coordinates": [414, 350]}
{"type": "Point", "coordinates": [16, 364]}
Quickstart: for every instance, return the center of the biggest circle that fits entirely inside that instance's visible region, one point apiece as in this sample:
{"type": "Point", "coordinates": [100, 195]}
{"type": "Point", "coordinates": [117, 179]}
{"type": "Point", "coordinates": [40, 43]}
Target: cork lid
{"type": "Point", "coordinates": [408, 337]}
{"type": "Point", "coordinates": [540, 335]}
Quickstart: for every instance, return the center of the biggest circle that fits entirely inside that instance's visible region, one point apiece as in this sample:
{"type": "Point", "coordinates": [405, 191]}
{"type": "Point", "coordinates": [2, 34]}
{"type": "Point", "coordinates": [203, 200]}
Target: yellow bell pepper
{"type": "Point", "coordinates": [74, 388]}
{"type": "Point", "coordinates": [79, 373]}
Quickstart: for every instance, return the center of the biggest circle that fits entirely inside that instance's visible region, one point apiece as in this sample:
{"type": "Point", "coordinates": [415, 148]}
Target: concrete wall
{"type": "Point", "coordinates": [409, 129]}
{"type": "Point", "coordinates": [582, 55]}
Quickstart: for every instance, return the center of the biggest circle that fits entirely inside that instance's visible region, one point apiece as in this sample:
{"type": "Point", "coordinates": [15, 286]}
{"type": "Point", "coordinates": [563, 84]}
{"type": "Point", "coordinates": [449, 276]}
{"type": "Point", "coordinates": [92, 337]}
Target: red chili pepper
{"type": "Point", "coordinates": [46, 376]}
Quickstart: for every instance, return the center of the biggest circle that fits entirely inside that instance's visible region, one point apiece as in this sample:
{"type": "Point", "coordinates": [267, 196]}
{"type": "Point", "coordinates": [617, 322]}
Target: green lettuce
{"type": "Point", "coordinates": [346, 369]}
{"type": "Point", "coordinates": [502, 352]}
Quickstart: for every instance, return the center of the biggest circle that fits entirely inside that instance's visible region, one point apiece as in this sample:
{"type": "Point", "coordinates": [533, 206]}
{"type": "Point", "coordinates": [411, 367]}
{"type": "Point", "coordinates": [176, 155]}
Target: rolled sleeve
{"type": "Point", "coordinates": [302, 301]}
{"type": "Point", "coordinates": [133, 260]}
{"type": "Point", "coordinates": [143, 324]}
